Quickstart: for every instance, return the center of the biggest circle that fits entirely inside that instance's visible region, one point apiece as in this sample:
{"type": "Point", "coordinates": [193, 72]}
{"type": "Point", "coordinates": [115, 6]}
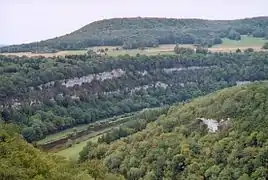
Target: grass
{"type": "Point", "coordinates": [246, 41]}
{"type": "Point", "coordinates": [61, 134]}
{"type": "Point", "coordinates": [161, 49]}
{"type": "Point", "coordinates": [227, 46]}
{"type": "Point", "coordinates": [60, 53]}
{"type": "Point", "coordinates": [72, 152]}
{"type": "Point", "coordinates": [67, 132]}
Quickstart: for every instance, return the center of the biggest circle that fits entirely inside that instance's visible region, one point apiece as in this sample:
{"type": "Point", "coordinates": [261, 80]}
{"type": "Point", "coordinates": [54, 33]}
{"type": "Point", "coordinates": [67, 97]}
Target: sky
{"type": "Point", "coordinates": [23, 21]}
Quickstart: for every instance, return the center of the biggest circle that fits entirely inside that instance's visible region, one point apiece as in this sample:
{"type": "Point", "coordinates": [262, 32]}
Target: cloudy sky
{"type": "Point", "coordinates": [24, 21]}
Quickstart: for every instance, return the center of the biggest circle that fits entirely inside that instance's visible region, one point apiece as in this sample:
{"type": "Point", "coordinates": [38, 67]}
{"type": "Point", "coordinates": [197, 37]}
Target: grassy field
{"type": "Point", "coordinates": [245, 42]}
{"type": "Point", "coordinates": [67, 132]}
{"type": "Point", "coordinates": [62, 134]}
{"type": "Point", "coordinates": [72, 152]}
{"type": "Point", "coordinates": [162, 49]}
{"type": "Point", "coordinates": [60, 53]}
{"type": "Point", "coordinates": [227, 46]}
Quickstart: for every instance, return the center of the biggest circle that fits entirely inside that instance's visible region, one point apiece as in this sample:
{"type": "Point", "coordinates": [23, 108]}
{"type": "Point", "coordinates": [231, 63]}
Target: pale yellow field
{"type": "Point", "coordinates": [60, 53]}
{"type": "Point", "coordinates": [226, 46]}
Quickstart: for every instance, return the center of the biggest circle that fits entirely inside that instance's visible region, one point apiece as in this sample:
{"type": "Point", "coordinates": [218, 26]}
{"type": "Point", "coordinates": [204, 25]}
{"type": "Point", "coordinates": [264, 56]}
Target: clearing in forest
{"type": "Point", "coordinates": [72, 153]}
{"type": "Point", "coordinates": [245, 43]}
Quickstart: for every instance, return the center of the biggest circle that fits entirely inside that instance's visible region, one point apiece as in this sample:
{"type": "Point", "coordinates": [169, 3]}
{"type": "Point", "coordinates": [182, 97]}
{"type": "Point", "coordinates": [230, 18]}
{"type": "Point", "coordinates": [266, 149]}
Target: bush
{"type": "Point", "coordinates": [249, 50]}
{"type": "Point", "coordinates": [201, 50]}
{"type": "Point", "coordinates": [238, 50]}
{"type": "Point", "coordinates": [182, 50]}
{"type": "Point", "coordinates": [265, 46]}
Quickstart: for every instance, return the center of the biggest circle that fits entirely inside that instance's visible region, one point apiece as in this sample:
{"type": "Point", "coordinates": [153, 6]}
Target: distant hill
{"type": "Point", "coordinates": [147, 32]}
{"type": "Point", "coordinates": [219, 136]}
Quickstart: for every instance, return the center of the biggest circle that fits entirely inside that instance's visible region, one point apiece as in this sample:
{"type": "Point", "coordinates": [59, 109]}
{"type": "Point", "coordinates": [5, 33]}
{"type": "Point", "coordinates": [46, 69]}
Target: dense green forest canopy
{"type": "Point", "coordinates": [181, 144]}
{"type": "Point", "coordinates": [131, 33]}
{"type": "Point", "coordinates": [47, 95]}
{"type": "Point", "coordinates": [178, 145]}
{"type": "Point", "coordinates": [265, 46]}
{"type": "Point", "coordinates": [21, 161]}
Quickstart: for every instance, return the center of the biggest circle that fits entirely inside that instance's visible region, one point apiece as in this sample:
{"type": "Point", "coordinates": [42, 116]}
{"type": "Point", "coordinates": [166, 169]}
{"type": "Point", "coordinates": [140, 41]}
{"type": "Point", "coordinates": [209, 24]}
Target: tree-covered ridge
{"type": "Point", "coordinates": [179, 146]}
{"type": "Point", "coordinates": [44, 96]}
{"type": "Point", "coordinates": [149, 32]}
{"type": "Point", "coordinates": [21, 161]}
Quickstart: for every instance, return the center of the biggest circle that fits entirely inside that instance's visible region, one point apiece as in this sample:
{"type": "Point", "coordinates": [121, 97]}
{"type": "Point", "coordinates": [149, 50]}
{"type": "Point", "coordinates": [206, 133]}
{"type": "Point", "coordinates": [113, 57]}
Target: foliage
{"type": "Point", "coordinates": [20, 160]}
{"type": "Point", "coordinates": [265, 46]}
{"type": "Point", "coordinates": [201, 50]}
{"type": "Point", "coordinates": [33, 94]}
{"type": "Point", "coordinates": [249, 50]}
{"type": "Point", "coordinates": [178, 146]}
{"type": "Point", "coordinates": [182, 50]}
{"type": "Point", "coordinates": [135, 124]}
{"type": "Point", "coordinates": [148, 32]}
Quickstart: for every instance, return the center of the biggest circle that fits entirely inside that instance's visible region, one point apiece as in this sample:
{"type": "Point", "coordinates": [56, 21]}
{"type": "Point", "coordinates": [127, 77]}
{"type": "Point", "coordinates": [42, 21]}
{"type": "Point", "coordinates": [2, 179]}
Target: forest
{"type": "Point", "coordinates": [21, 161]}
{"type": "Point", "coordinates": [179, 145]}
{"type": "Point", "coordinates": [134, 98]}
{"type": "Point", "coordinates": [132, 33]}
{"type": "Point", "coordinates": [47, 95]}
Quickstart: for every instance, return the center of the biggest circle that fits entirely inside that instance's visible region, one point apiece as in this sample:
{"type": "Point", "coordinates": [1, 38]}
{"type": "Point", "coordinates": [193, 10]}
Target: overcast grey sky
{"type": "Point", "coordinates": [23, 21]}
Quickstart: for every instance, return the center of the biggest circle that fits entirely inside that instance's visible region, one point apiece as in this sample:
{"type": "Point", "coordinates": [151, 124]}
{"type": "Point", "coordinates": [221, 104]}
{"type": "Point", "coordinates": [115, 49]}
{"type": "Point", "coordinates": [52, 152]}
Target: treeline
{"type": "Point", "coordinates": [40, 107]}
{"type": "Point", "coordinates": [131, 33]}
{"type": "Point", "coordinates": [134, 124]}
{"type": "Point", "coordinates": [178, 146]}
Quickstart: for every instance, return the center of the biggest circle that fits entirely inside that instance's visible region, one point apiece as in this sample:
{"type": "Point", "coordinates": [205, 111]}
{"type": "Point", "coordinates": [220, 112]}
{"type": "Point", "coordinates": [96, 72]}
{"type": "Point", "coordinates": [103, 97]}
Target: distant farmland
{"type": "Point", "coordinates": [227, 46]}
{"type": "Point", "coordinates": [60, 53]}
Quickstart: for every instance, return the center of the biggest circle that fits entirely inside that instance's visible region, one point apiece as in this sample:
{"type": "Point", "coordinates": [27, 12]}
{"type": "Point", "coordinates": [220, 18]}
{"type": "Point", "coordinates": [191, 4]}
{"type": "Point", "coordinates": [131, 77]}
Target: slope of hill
{"type": "Point", "coordinates": [21, 161]}
{"type": "Point", "coordinates": [142, 32]}
{"type": "Point", "coordinates": [48, 95]}
{"type": "Point", "coordinates": [219, 136]}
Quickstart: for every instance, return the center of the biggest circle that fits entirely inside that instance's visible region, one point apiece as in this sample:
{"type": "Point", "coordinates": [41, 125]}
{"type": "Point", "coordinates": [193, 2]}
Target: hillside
{"type": "Point", "coordinates": [219, 136]}
{"type": "Point", "coordinates": [149, 32]}
{"type": "Point", "coordinates": [21, 161]}
{"type": "Point", "coordinates": [48, 95]}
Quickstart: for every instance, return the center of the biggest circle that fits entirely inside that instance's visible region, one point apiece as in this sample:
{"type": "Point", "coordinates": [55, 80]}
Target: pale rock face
{"type": "Point", "coordinates": [169, 70]}
{"type": "Point", "coordinates": [75, 97]}
{"type": "Point", "coordinates": [89, 78]}
{"type": "Point", "coordinates": [108, 75]}
{"type": "Point", "coordinates": [47, 85]}
{"type": "Point", "coordinates": [143, 73]}
{"type": "Point", "coordinates": [157, 84]}
{"type": "Point", "coordinates": [16, 105]}
{"type": "Point", "coordinates": [242, 82]}
{"type": "Point", "coordinates": [214, 125]}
